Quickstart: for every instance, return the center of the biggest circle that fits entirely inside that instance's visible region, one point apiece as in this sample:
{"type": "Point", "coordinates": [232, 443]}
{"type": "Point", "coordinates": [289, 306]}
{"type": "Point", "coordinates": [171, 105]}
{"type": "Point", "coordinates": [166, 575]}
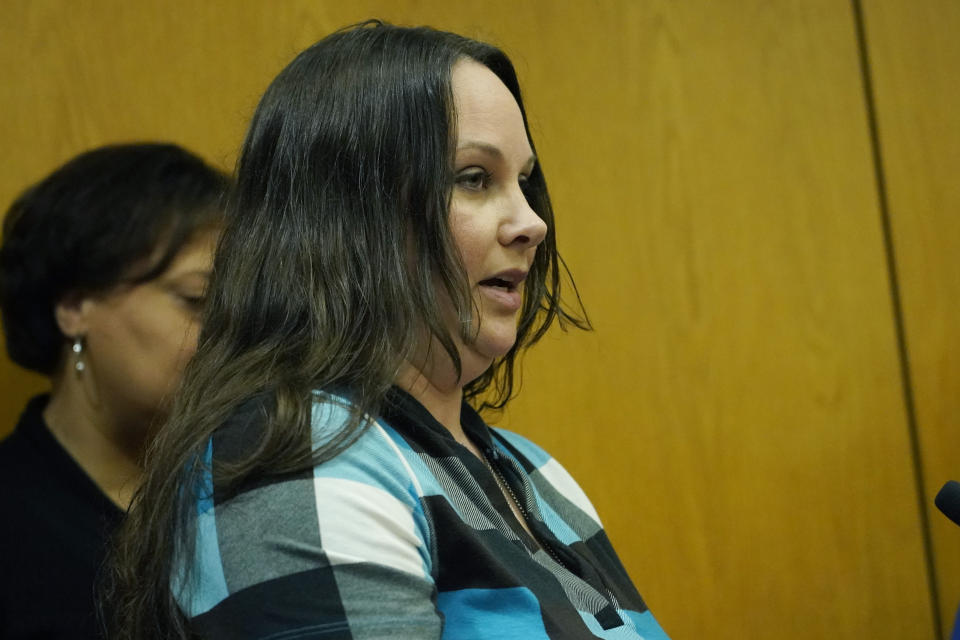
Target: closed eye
{"type": "Point", "coordinates": [194, 303]}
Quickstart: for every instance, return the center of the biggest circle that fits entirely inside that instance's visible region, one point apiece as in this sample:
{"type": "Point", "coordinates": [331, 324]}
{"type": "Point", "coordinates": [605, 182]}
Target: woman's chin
{"type": "Point", "coordinates": [488, 348]}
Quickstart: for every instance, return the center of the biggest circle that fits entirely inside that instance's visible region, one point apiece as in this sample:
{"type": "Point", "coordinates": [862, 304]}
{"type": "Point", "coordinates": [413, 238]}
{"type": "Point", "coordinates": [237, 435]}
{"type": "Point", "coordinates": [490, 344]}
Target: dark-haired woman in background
{"type": "Point", "coordinates": [103, 270]}
{"type": "Point", "coordinates": [390, 250]}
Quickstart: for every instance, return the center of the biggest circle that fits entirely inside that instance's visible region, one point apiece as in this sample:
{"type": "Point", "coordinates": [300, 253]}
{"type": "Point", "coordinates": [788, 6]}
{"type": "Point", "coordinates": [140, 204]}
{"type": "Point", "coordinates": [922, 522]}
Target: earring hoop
{"type": "Point", "coordinates": [78, 364]}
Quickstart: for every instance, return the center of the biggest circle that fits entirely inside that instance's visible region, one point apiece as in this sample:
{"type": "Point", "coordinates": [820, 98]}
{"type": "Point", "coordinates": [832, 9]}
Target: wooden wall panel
{"type": "Point", "coordinates": [719, 207]}
{"type": "Point", "coordinates": [915, 61]}
{"type": "Point", "coordinates": [736, 416]}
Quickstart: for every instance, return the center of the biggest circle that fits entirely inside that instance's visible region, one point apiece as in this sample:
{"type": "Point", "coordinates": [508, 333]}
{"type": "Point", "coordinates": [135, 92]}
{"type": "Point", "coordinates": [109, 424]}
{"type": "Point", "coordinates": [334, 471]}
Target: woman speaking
{"type": "Point", "coordinates": [325, 473]}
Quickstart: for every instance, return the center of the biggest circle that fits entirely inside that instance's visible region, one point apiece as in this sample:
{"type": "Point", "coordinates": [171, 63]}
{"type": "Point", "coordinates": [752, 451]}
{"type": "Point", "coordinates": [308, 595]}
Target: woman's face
{"type": "Point", "coordinates": [139, 338]}
{"type": "Point", "coordinates": [492, 225]}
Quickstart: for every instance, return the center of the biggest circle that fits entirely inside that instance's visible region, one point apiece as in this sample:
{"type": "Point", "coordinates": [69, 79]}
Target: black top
{"type": "Point", "coordinates": [53, 535]}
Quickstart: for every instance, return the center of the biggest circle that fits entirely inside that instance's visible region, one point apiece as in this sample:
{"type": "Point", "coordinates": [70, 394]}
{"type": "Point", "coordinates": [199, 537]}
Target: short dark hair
{"type": "Point", "coordinates": [88, 226]}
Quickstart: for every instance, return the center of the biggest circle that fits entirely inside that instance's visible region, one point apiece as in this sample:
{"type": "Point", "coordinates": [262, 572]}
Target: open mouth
{"type": "Point", "coordinates": [499, 283]}
{"type": "Point", "coordinates": [504, 289]}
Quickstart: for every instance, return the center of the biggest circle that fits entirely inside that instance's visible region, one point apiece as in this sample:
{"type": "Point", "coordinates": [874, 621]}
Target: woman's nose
{"type": "Point", "coordinates": [523, 226]}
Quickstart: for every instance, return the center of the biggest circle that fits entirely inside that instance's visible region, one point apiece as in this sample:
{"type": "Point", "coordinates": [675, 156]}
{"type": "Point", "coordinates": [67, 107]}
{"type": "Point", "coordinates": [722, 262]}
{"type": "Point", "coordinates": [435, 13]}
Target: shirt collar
{"type": "Point", "coordinates": [401, 408]}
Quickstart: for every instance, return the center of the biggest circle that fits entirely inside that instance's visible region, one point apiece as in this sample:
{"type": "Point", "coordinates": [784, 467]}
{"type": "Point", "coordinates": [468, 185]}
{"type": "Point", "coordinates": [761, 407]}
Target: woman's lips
{"type": "Point", "coordinates": [510, 298]}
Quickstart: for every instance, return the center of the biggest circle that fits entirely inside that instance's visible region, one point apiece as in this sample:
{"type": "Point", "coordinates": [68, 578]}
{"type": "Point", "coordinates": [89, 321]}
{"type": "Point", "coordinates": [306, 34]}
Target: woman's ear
{"type": "Point", "coordinates": [71, 314]}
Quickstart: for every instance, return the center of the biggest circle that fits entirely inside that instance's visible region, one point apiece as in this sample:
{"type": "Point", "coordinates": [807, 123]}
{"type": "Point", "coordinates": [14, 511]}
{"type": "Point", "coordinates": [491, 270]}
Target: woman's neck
{"type": "Point", "coordinates": [436, 384]}
{"type": "Point", "coordinates": [103, 448]}
{"type": "Point", "coordinates": [443, 401]}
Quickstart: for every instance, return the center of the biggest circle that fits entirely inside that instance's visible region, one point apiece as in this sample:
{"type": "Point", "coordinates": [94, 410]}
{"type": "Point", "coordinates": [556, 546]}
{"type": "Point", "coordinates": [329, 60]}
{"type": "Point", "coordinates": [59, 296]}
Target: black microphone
{"type": "Point", "coordinates": [948, 500]}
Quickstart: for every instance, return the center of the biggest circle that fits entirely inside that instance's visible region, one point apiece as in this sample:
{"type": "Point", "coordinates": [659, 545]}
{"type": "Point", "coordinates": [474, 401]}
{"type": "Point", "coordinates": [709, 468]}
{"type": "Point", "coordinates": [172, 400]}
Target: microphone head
{"type": "Point", "coordinates": [948, 500]}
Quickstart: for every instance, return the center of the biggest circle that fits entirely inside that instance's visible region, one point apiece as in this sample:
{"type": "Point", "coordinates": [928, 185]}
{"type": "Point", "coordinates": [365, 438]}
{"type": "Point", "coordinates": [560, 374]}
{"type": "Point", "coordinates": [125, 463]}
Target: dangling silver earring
{"type": "Point", "coordinates": [78, 364]}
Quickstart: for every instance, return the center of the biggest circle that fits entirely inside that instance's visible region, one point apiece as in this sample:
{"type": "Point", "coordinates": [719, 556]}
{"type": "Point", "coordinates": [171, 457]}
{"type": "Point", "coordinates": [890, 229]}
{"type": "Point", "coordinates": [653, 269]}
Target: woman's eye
{"type": "Point", "coordinates": [475, 179]}
{"type": "Point", "coordinates": [194, 303]}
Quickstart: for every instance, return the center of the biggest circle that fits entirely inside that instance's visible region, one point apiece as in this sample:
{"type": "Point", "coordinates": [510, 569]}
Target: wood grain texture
{"type": "Point", "coordinates": [915, 60]}
{"type": "Point", "coordinates": [719, 209]}
{"type": "Point", "coordinates": [737, 413]}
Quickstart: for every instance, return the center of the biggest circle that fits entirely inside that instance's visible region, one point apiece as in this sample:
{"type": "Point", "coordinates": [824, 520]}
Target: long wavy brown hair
{"type": "Point", "coordinates": [336, 256]}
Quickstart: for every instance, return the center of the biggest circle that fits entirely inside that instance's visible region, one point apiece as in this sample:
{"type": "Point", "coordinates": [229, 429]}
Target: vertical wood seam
{"type": "Point", "coordinates": [896, 303]}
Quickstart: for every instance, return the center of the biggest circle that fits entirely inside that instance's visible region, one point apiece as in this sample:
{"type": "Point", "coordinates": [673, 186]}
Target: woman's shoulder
{"type": "Point", "coordinates": [358, 506]}
{"type": "Point", "coordinates": [372, 453]}
{"type": "Point", "coordinates": [343, 446]}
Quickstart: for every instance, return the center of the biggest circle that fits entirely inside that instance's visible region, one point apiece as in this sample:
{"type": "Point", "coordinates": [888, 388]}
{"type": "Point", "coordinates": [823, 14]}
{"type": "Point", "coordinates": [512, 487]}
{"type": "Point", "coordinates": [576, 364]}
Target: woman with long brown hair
{"type": "Point", "coordinates": [390, 251]}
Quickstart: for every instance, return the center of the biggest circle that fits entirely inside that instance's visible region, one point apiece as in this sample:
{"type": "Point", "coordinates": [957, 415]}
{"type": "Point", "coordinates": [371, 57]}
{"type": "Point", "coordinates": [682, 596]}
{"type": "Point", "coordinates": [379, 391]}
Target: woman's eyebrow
{"type": "Point", "coordinates": [492, 150]}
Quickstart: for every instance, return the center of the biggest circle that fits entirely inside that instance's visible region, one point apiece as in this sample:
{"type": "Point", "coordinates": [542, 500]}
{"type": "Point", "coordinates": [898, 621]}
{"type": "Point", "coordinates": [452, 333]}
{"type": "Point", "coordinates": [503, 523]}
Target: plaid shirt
{"type": "Point", "coordinates": [406, 534]}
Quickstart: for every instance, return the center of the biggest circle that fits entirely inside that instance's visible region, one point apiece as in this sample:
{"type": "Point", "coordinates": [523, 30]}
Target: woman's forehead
{"type": "Point", "coordinates": [487, 113]}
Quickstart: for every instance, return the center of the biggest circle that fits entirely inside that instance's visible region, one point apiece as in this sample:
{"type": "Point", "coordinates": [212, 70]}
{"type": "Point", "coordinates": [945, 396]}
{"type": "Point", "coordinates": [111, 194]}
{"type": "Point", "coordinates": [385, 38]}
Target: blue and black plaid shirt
{"type": "Point", "coordinates": [406, 534]}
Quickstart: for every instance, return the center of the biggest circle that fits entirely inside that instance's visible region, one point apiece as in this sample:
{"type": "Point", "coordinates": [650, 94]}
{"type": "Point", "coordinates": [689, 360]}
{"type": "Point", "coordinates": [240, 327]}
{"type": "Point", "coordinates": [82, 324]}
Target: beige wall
{"type": "Point", "coordinates": [739, 415]}
{"type": "Point", "coordinates": [915, 58]}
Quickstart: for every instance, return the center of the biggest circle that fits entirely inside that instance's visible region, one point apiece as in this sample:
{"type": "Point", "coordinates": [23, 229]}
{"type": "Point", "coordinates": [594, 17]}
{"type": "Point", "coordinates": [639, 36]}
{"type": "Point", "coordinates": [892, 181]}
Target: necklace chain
{"type": "Point", "coordinates": [504, 486]}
